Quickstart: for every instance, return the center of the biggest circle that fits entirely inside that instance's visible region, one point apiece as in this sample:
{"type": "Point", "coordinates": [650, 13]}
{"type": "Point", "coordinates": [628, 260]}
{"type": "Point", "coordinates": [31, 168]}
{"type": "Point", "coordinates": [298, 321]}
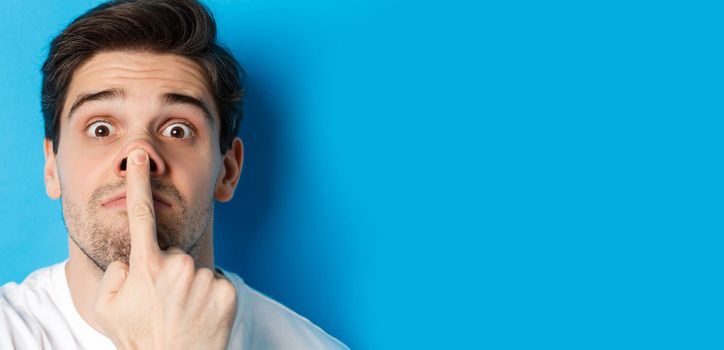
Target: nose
{"type": "Point", "coordinates": [158, 166]}
{"type": "Point", "coordinates": [153, 165]}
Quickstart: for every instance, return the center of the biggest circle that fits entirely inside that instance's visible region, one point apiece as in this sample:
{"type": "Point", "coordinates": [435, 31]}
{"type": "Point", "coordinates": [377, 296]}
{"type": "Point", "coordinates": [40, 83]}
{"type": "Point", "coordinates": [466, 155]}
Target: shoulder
{"type": "Point", "coordinates": [263, 323]}
{"type": "Point", "coordinates": [32, 292]}
{"type": "Point", "coordinates": [20, 306]}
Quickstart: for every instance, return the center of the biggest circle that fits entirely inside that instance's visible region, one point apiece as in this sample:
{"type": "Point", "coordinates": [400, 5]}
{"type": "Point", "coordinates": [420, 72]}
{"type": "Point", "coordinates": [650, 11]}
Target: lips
{"type": "Point", "coordinates": [119, 200]}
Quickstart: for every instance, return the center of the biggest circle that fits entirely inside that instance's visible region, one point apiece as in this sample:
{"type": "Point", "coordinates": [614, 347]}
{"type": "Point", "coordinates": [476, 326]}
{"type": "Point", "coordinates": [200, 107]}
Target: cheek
{"type": "Point", "coordinates": [193, 176]}
{"type": "Point", "coordinates": [81, 173]}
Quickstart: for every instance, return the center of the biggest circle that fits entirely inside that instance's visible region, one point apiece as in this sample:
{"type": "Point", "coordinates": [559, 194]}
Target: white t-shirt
{"type": "Point", "coordinates": [39, 314]}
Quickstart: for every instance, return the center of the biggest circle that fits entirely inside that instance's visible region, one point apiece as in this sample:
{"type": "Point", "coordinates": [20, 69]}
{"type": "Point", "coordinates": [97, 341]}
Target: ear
{"type": "Point", "coordinates": [230, 171]}
{"type": "Point", "coordinates": [52, 181]}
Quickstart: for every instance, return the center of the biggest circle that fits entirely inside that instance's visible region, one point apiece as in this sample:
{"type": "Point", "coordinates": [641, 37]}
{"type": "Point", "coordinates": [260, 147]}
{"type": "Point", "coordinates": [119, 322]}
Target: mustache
{"type": "Point", "coordinates": [156, 185]}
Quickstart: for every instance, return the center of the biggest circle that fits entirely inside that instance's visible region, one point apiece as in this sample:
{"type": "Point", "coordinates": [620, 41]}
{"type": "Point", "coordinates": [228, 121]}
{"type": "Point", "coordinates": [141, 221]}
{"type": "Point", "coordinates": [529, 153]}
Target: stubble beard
{"type": "Point", "coordinates": [103, 235]}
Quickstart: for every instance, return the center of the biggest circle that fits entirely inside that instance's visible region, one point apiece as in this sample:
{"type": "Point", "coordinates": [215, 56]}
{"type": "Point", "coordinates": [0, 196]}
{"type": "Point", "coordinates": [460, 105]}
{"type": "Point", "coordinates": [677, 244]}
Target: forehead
{"type": "Point", "coordinates": [140, 75]}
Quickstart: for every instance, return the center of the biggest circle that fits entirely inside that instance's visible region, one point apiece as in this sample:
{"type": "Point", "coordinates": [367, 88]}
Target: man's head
{"type": "Point", "coordinates": [150, 75]}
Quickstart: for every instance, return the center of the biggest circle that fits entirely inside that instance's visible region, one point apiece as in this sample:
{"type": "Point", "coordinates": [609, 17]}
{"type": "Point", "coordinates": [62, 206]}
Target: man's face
{"type": "Point", "coordinates": [160, 103]}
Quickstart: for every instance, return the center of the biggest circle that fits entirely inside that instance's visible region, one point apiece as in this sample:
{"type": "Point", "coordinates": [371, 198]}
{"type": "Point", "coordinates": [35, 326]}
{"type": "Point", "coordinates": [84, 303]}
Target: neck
{"type": "Point", "coordinates": [84, 276]}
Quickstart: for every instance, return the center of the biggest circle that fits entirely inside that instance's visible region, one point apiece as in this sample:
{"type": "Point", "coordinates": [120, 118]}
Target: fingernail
{"type": "Point", "coordinates": [139, 157]}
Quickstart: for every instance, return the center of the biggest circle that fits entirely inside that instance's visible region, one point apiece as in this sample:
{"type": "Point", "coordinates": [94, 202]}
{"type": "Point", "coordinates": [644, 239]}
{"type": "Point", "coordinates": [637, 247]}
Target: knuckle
{"type": "Point", "coordinates": [204, 275]}
{"type": "Point", "coordinates": [224, 295]}
{"type": "Point", "coordinates": [225, 290]}
{"type": "Point", "coordinates": [142, 210]}
{"type": "Point", "coordinates": [117, 265]}
{"type": "Point", "coordinates": [183, 262]}
{"type": "Point", "coordinates": [117, 268]}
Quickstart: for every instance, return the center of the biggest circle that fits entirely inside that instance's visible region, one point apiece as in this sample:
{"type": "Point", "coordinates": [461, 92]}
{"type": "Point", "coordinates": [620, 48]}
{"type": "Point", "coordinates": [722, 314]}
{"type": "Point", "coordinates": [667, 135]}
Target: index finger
{"type": "Point", "coordinates": [139, 204]}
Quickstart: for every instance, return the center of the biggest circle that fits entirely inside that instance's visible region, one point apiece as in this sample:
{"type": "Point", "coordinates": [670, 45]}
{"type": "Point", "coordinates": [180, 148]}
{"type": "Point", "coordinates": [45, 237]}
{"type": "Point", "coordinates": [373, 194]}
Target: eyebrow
{"type": "Point", "coordinates": [177, 98]}
{"type": "Point", "coordinates": [105, 95]}
{"type": "Point", "coordinates": [119, 94]}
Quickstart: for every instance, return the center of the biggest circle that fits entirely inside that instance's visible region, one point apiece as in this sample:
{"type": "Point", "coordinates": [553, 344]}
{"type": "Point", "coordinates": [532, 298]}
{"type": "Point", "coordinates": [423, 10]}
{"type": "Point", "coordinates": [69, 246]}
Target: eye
{"type": "Point", "coordinates": [100, 129]}
{"type": "Point", "coordinates": [178, 131]}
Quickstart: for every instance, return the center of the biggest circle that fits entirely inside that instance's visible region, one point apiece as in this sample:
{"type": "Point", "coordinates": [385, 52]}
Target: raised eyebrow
{"type": "Point", "coordinates": [103, 95]}
{"type": "Point", "coordinates": [178, 98]}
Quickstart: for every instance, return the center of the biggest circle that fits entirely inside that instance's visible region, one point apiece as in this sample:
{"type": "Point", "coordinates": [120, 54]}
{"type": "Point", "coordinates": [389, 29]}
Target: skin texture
{"type": "Point", "coordinates": [92, 165]}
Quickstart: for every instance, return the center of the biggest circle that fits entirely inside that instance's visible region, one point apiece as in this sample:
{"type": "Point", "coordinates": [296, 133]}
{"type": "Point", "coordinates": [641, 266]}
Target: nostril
{"type": "Point", "coordinates": [153, 165]}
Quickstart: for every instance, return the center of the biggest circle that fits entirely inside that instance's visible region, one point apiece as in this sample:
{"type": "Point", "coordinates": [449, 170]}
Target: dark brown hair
{"type": "Point", "coordinates": [181, 27]}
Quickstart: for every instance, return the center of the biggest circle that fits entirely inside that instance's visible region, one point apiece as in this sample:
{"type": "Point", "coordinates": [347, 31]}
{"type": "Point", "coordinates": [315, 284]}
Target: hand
{"type": "Point", "coordinates": [162, 300]}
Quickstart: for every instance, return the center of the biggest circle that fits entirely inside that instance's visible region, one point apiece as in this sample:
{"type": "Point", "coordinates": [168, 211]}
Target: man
{"type": "Point", "coordinates": [141, 109]}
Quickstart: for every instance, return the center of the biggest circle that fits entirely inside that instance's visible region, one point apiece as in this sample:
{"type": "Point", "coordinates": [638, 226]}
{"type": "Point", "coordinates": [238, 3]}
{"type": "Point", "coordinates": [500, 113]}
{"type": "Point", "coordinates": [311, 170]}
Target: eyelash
{"type": "Point", "coordinates": [191, 126]}
{"type": "Point", "coordinates": [85, 130]}
{"type": "Point", "coordinates": [184, 123]}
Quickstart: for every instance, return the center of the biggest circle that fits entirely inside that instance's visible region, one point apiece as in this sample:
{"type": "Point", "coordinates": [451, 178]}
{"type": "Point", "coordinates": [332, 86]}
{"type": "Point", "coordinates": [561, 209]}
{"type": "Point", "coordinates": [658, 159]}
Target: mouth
{"type": "Point", "coordinates": [119, 202]}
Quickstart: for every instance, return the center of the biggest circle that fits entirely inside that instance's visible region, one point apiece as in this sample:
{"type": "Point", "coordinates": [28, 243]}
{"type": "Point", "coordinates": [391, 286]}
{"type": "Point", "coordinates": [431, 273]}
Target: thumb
{"type": "Point", "coordinates": [112, 281]}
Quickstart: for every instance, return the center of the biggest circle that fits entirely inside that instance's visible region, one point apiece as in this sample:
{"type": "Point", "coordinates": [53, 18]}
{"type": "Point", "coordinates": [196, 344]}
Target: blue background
{"type": "Point", "coordinates": [446, 174]}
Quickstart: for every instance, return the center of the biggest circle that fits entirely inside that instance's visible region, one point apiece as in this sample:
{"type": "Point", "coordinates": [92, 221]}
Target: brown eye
{"type": "Point", "coordinates": [178, 131]}
{"type": "Point", "coordinates": [100, 129]}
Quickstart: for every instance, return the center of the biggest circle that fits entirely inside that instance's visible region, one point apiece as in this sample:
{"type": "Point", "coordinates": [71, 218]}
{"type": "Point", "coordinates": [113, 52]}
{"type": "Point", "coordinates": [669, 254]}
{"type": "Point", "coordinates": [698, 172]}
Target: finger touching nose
{"type": "Point", "coordinates": [141, 215]}
{"type": "Point", "coordinates": [158, 166]}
